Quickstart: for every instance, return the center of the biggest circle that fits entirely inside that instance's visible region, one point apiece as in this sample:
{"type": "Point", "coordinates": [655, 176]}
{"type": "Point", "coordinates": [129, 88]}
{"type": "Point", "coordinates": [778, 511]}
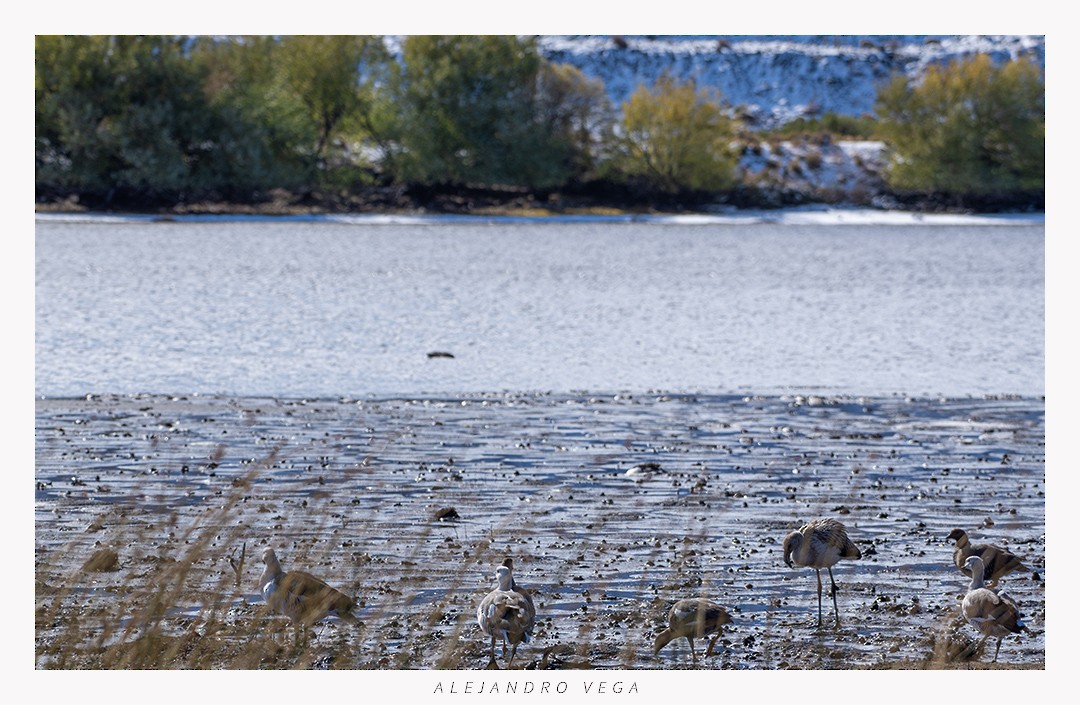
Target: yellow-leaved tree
{"type": "Point", "coordinates": [677, 138]}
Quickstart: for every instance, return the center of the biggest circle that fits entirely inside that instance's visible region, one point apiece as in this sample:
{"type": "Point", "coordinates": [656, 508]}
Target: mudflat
{"type": "Point", "coordinates": [152, 512]}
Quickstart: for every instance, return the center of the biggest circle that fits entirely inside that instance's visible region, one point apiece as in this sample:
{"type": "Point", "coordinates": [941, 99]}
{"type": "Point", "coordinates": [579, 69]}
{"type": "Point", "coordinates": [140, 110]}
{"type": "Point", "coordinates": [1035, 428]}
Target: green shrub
{"type": "Point", "coordinates": [157, 118]}
{"type": "Point", "coordinates": [470, 110]}
{"type": "Point", "coordinates": [969, 128]}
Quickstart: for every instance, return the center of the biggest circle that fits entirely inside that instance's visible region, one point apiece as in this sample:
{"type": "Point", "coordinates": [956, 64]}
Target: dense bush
{"type": "Point", "coordinates": [159, 119]}
{"type": "Point", "coordinates": [335, 79]}
{"type": "Point", "coordinates": [115, 113]}
{"type": "Point", "coordinates": [968, 128]}
{"type": "Point", "coordinates": [489, 110]}
{"type": "Point", "coordinates": [576, 111]}
{"type": "Point", "coordinates": [132, 117]}
{"type": "Point", "coordinates": [677, 137]}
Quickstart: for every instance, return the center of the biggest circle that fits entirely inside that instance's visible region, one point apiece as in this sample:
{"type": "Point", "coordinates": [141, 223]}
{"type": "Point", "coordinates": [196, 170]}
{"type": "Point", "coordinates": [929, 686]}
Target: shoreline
{"type": "Point", "coordinates": [804, 396]}
{"type": "Point", "coordinates": [802, 215]}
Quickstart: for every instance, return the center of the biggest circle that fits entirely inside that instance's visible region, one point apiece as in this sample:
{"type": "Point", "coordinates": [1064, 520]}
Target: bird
{"type": "Point", "coordinates": [300, 596]}
{"type": "Point", "coordinates": [693, 618]}
{"type": "Point", "coordinates": [997, 561]}
{"type": "Point", "coordinates": [819, 544]}
{"type": "Point", "coordinates": [992, 613]}
{"type": "Point", "coordinates": [507, 612]}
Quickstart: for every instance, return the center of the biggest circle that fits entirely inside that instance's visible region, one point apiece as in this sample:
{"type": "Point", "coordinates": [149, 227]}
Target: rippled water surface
{"type": "Point", "coordinates": [327, 309]}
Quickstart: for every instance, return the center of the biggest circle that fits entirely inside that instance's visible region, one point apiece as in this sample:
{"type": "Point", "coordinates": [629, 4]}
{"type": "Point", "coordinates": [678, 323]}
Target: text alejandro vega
{"type": "Point", "coordinates": [530, 687]}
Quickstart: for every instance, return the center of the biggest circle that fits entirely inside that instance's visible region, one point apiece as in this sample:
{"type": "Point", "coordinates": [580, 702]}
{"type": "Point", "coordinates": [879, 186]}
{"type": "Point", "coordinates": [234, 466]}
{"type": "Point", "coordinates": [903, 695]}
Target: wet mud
{"type": "Point", "coordinates": [151, 513]}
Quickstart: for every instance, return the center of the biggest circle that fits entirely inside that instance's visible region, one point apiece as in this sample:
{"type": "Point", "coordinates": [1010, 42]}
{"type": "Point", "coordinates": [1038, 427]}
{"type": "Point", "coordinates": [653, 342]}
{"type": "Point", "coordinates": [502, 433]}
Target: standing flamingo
{"type": "Point", "coordinates": [506, 612]}
{"type": "Point", "coordinates": [819, 544]}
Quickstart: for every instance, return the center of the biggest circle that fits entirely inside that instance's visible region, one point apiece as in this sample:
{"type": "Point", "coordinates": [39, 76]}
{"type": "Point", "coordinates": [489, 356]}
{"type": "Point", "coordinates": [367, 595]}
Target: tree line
{"type": "Point", "coordinates": [158, 119]}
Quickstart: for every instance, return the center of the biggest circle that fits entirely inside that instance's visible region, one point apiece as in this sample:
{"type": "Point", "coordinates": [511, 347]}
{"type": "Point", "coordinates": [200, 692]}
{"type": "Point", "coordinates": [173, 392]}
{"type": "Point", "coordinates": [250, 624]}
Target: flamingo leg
{"type": "Point", "coordinates": [712, 643]}
{"type": "Point", "coordinates": [513, 653]}
{"type": "Point", "coordinates": [818, 570]}
{"type": "Point", "coordinates": [997, 649]}
{"type": "Point", "coordinates": [836, 610]}
{"type": "Point", "coordinates": [492, 663]}
{"type": "Point", "coordinates": [979, 646]}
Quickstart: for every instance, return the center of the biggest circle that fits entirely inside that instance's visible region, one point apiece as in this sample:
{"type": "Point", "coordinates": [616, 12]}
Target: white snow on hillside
{"type": "Point", "coordinates": [777, 78]}
{"type": "Point", "coordinates": [773, 79]}
{"type": "Point", "coordinates": [843, 171]}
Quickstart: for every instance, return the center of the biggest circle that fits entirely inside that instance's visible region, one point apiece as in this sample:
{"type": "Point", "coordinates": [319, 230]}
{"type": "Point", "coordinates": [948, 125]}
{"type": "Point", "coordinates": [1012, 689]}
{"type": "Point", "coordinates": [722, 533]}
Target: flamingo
{"type": "Point", "coordinates": [992, 613]}
{"type": "Point", "coordinates": [506, 612]}
{"type": "Point", "coordinates": [693, 618]}
{"type": "Point", "coordinates": [300, 596]}
{"type": "Point", "coordinates": [819, 544]}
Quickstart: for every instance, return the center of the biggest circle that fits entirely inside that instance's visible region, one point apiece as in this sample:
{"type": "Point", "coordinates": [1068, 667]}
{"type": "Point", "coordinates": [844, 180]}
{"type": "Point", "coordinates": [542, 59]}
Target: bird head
{"type": "Point", "coordinates": [268, 556]}
{"type": "Point", "coordinates": [791, 544]}
{"type": "Point", "coordinates": [506, 580]}
{"type": "Point", "coordinates": [974, 564]}
{"type": "Point", "coordinates": [659, 644]}
{"type": "Point", "coordinates": [957, 534]}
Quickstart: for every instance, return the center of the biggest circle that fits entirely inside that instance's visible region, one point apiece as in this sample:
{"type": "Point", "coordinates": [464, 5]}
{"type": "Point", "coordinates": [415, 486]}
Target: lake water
{"type": "Point", "coordinates": [328, 309]}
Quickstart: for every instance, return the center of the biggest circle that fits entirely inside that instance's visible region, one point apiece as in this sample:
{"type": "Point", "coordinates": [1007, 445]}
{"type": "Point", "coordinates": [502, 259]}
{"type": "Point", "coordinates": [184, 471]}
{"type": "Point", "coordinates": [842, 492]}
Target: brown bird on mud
{"type": "Point", "coordinates": [300, 596]}
{"type": "Point", "coordinates": [997, 561]}
{"type": "Point", "coordinates": [507, 612]}
{"type": "Point", "coordinates": [992, 613]}
{"type": "Point", "coordinates": [693, 618]}
{"type": "Point", "coordinates": [819, 544]}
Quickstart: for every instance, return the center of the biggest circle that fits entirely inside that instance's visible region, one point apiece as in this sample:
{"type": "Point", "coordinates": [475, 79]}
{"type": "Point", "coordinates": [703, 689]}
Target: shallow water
{"type": "Point", "coordinates": [612, 506]}
{"type": "Point", "coordinates": [321, 309]}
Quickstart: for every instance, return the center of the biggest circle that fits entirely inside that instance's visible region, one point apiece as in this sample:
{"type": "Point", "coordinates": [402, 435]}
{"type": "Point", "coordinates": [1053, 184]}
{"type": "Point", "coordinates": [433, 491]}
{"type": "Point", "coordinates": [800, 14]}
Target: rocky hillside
{"type": "Point", "coordinates": [777, 78]}
{"type": "Point", "coordinates": [772, 80]}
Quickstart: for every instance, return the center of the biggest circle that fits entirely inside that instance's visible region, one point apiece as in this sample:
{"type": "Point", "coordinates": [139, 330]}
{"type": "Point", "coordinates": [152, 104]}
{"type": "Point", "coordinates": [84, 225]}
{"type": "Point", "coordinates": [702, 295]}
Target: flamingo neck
{"type": "Point", "coordinates": [272, 571]}
{"type": "Point", "coordinates": [801, 549]}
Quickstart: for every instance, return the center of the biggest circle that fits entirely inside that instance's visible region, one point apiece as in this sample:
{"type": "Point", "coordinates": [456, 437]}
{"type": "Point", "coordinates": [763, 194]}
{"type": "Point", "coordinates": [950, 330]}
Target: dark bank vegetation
{"type": "Point", "coordinates": [470, 122]}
